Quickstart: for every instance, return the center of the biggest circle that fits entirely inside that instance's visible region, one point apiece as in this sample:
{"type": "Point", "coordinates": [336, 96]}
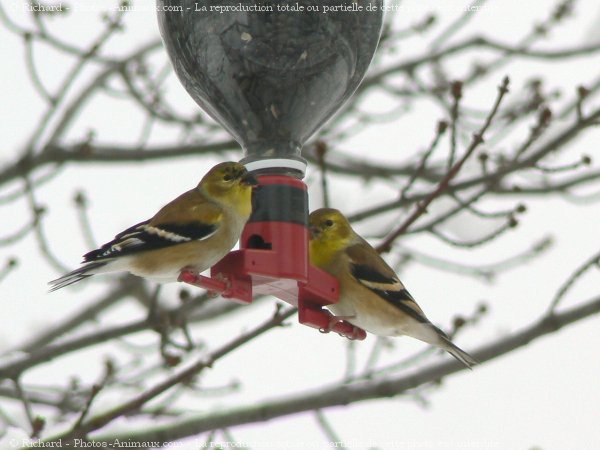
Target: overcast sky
{"type": "Point", "coordinates": [545, 395]}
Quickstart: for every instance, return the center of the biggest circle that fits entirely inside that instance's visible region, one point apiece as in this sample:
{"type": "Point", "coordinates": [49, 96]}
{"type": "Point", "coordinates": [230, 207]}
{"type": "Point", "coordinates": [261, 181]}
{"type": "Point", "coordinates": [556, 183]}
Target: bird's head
{"type": "Point", "coordinates": [330, 232]}
{"type": "Point", "coordinates": [231, 183]}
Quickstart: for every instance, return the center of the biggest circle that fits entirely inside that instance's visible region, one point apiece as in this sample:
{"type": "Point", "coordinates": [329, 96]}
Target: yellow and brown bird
{"type": "Point", "coordinates": [192, 232]}
{"type": "Point", "coordinates": [372, 296]}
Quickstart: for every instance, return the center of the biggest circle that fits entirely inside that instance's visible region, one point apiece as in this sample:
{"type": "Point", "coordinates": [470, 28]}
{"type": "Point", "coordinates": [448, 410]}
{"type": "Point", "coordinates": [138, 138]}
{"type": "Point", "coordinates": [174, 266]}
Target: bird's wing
{"type": "Point", "coordinates": [191, 206]}
{"type": "Point", "coordinates": [163, 231]}
{"type": "Point", "coordinates": [371, 271]}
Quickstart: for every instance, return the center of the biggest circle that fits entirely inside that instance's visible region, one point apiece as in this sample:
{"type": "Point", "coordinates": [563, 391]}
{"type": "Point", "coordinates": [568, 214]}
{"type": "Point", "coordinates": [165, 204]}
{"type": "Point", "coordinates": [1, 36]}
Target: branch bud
{"type": "Point", "coordinates": [456, 89]}
{"type": "Point", "coordinates": [442, 126]}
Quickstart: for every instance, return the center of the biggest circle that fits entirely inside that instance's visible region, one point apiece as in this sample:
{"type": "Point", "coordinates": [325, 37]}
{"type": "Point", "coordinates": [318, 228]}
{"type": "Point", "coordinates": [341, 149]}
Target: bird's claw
{"type": "Point", "coordinates": [213, 286]}
{"type": "Point", "coordinates": [341, 326]}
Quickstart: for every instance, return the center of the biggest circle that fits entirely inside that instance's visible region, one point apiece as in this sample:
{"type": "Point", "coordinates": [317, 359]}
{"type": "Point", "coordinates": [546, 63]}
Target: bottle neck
{"type": "Point", "coordinates": [276, 166]}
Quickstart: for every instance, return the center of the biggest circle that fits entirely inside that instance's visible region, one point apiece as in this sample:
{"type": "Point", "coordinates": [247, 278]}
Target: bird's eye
{"type": "Point", "coordinates": [227, 178]}
{"type": "Point", "coordinates": [329, 223]}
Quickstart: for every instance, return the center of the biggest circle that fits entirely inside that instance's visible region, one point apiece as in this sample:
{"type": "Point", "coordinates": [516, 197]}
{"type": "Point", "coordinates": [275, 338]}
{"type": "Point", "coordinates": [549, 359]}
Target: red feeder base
{"type": "Point", "coordinates": [273, 259]}
{"type": "Point", "coordinates": [320, 290]}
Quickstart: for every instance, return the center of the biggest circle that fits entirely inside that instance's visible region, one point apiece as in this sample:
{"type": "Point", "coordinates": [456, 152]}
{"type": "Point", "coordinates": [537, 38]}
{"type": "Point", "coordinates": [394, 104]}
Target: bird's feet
{"type": "Point", "coordinates": [340, 325]}
{"type": "Point", "coordinates": [335, 320]}
{"type": "Point", "coordinates": [228, 286]}
{"type": "Point", "coordinates": [215, 287]}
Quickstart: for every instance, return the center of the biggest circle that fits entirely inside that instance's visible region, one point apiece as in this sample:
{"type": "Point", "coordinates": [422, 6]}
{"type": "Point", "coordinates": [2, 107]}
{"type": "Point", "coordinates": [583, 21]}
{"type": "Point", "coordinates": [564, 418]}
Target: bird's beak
{"type": "Point", "coordinates": [314, 231]}
{"type": "Point", "coordinates": [249, 180]}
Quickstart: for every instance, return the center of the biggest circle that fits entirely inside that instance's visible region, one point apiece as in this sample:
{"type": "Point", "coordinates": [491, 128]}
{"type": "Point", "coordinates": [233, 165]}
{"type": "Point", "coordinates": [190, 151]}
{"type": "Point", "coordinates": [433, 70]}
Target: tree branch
{"type": "Point", "coordinates": [472, 43]}
{"type": "Point", "coordinates": [349, 394]}
{"type": "Point", "coordinates": [135, 403]}
{"type": "Point", "coordinates": [445, 183]}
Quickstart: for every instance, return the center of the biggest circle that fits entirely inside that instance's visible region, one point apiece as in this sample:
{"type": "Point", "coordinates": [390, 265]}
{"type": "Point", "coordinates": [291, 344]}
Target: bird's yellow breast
{"type": "Point", "coordinates": [323, 251]}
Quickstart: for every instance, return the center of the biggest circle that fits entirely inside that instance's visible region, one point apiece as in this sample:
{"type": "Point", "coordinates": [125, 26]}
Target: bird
{"type": "Point", "coordinates": [192, 232]}
{"type": "Point", "coordinates": [371, 296]}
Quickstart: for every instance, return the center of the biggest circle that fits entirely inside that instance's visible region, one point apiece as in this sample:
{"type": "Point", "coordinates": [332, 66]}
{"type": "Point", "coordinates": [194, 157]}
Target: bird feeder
{"type": "Point", "coordinates": [272, 73]}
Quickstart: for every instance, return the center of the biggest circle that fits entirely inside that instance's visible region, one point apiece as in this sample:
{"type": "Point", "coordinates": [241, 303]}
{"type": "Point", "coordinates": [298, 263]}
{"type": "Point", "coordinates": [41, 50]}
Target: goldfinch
{"type": "Point", "coordinates": [371, 295]}
{"type": "Point", "coordinates": [192, 232]}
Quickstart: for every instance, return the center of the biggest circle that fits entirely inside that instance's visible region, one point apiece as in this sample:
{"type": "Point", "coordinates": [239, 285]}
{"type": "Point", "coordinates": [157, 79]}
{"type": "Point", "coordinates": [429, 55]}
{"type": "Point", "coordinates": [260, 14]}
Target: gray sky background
{"type": "Point", "coordinates": [545, 395]}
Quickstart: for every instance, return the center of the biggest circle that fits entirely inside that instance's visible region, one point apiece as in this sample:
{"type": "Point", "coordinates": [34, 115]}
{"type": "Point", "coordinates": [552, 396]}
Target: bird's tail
{"type": "Point", "coordinates": [76, 275]}
{"type": "Point", "coordinates": [428, 332]}
{"type": "Point", "coordinates": [457, 352]}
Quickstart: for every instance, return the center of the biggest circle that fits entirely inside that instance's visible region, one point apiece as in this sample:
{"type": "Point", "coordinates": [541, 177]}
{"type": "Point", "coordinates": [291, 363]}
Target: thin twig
{"type": "Point", "coordinates": [36, 422]}
{"type": "Point", "coordinates": [135, 403]}
{"type": "Point", "coordinates": [11, 264]}
{"type": "Point", "coordinates": [127, 286]}
{"type": "Point", "coordinates": [49, 39]}
{"type": "Point", "coordinates": [511, 223]}
{"type": "Point", "coordinates": [326, 427]}
{"type": "Point", "coordinates": [443, 185]}
{"type": "Point", "coordinates": [440, 130]}
{"type": "Point", "coordinates": [37, 211]}
{"type": "Point", "coordinates": [343, 395]}
{"type": "Point", "coordinates": [584, 161]}
{"type": "Point", "coordinates": [568, 284]}
{"type": "Point", "coordinates": [32, 71]}
{"type": "Point", "coordinates": [458, 24]}
{"type": "Point", "coordinates": [64, 88]}
{"type": "Point", "coordinates": [374, 354]}
{"type": "Point", "coordinates": [81, 206]}
{"type": "Point", "coordinates": [39, 352]}
{"type": "Point", "coordinates": [21, 233]}
{"type": "Point", "coordinates": [456, 91]}
{"type": "Point", "coordinates": [557, 141]}
{"type": "Point", "coordinates": [485, 271]}
{"type": "Point", "coordinates": [350, 360]}
{"type": "Point", "coordinates": [96, 388]}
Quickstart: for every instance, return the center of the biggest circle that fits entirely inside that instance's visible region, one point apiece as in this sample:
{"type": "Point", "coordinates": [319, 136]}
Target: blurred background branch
{"type": "Point", "coordinates": [424, 162]}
